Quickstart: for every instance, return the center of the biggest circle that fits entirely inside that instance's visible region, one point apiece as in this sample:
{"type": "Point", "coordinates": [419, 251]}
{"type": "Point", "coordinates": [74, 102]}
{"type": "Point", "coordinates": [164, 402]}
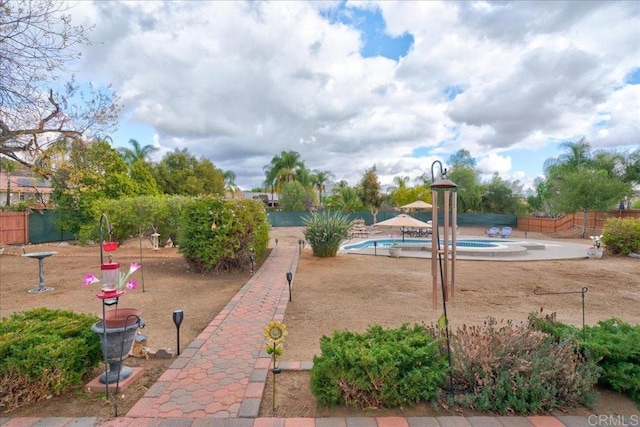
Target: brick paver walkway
{"type": "Point", "coordinates": [220, 378]}
{"type": "Point", "coordinates": [223, 372]}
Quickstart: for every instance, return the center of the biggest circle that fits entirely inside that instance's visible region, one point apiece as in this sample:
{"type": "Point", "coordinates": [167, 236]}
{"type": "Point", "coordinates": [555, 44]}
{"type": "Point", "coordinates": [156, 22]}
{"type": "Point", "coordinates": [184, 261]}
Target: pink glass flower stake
{"type": "Point", "coordinates": [90, 279]}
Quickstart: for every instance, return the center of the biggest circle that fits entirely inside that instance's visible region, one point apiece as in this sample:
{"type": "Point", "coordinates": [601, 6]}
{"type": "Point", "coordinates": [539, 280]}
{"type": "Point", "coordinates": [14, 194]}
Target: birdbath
{"type": "Point", "coordinates": [40, 256]}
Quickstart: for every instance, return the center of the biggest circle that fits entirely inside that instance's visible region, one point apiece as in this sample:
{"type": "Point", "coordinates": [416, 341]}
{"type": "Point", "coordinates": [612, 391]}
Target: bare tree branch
{"type": "Point", "coordinates": [37, 41]}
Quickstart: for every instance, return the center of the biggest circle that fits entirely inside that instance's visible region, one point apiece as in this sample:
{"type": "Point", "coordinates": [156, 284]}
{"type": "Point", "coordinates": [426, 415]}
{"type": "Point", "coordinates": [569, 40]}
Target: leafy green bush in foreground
{"type": "Point", "coordinates": [43, 352]}
{"type": "Point", "coordinates": [379, 368]}
{"type": "Point", "coordinates": [612, 343]}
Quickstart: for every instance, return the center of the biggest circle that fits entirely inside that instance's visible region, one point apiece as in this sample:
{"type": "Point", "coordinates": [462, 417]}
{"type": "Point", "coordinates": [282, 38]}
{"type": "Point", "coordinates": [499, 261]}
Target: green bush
{"type": "Point", "coordinates": [622, 236]}
{"type": "Point", "coordinates": [325, 231]}
{"type": "Point", "coordinates": [515, 368]}
{"type": "Point", "coordinates": [43, 352]}
{"type": "Point", "coordinates": [379, 368]}
{"type": "Point", "coordinates": [295, 197]}
{"type": "Point", "coordinates": [219, 235]}
{"type": "Point", "coordinates": [129, 216]}
{"type": "Point", "coordinates": [612, 343]}
{"type": "Point", "coordinates": [19, 207]}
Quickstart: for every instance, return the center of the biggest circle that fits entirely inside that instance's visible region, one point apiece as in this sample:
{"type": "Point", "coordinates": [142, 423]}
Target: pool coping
{"type": "Point", "coordinates": [507, 250]}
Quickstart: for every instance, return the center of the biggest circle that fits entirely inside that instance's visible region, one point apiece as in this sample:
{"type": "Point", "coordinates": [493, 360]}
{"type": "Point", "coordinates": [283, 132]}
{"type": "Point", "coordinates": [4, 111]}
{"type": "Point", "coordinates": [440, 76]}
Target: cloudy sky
{"type": "Point", "coordinates": [350, 85]}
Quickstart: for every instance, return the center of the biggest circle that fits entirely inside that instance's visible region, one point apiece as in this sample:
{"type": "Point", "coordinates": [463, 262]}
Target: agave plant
{"type": "Point", "coordinates": [325, 231]}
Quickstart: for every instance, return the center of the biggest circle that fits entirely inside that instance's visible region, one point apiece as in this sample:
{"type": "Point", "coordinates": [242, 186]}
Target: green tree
{"type": "Point", "coordinates": [319, 180]}
{"type": "Point", "coordinates": [469, 189]}
{"type": "Point", "coordinates": [587, 190]}
{"type": "Point", "coordinates": [230, 182]}
{"type": "Point", "coordinates": [498, 197]}
{"type": "Point", "coordinates": [179, 172]}
{"type": "Point", "coordinates": [462, 158]}
{"type": "Point", "coordinates": [579, 160]}
{"type": "Point", "coordinates": [400, 182]}
{"type": "Point", "coordinates": [403, 195]}
{"type": "Point", "coordinates": [283, 168]}
{"type": "Point", "coordinates": [576, 154]}
{"type": "Point", "coordinates": [140, 168]}
{"type": "Point", "coordinates": [463, 172]}
{"type": "Point", "coordinates": [37, 43]}
{"type": "Point", "coordinates": [371, 196]}
{"type": "Point", "coordinates": [632, 167]}
{"type": "Point", "coordinates": [344, 198]}
{"type": "Point", "coordinates": [136, 152]}
{"type": "Point", "coordinates": [295, 197]}
{"type": "Point", "coordinates": [85, 174]}
{"type": "Point", "coordinates": [142, 174]}
{"type": "Point", "coordinates": [542, 200]}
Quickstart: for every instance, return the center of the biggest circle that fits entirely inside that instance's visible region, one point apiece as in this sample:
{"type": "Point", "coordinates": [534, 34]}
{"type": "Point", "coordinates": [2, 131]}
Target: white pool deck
{"type": "Point", "coordinates": [512, 249]}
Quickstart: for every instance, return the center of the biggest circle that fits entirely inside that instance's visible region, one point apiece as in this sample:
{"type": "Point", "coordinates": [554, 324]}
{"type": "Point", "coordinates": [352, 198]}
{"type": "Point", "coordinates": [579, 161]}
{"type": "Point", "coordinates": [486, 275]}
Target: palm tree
{"type": "Point", "coordinates": [137, 153]}
{"type": "Point", "coordinates": [576, 154]}
{"type": "Point", "coordinates": [319, 179]}
{"type": "Point", "coordinates": [346, 199]}
{"type": "Point", "coordinates": [283, 168]}
{"type": "Point", "coordinates": [230, 182]}
{"type": "Point", "coordinates": [400, 182]}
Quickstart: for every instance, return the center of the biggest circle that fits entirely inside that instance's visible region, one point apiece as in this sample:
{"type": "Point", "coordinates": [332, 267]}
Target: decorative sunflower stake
{"type": "Point", "coordinates": [275, 332]}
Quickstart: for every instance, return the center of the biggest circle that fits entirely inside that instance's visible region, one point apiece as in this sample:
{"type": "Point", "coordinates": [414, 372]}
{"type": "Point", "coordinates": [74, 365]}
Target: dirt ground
{"type": "Point", "coordinates": [345, 292]}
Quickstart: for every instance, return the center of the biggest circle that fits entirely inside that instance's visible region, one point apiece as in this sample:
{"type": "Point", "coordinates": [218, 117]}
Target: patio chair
{"type": "Point", "coordinates": [505, 232]}
{"type": "Point", "coordinates": [492, 232]}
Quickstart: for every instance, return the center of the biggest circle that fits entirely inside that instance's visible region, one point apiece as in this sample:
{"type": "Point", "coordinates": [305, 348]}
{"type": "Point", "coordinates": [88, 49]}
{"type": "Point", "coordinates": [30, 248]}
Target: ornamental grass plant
{"type": "Point", "coordinates": [325, 232]}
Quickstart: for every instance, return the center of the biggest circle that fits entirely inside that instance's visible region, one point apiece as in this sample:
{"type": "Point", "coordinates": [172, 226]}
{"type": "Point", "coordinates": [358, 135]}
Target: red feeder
{"type": "Point", "coordinates": [110, 246]}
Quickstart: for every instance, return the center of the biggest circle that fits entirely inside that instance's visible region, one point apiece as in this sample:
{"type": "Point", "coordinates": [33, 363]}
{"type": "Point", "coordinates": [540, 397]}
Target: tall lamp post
{"type": "Point", "coordinates": [448, 187]}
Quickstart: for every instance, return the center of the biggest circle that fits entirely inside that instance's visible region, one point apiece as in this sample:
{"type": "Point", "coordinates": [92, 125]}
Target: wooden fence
{"type": "Point", "coordinates": [14, 227]}
{"type": "Point", "coordinates": [595, 220]}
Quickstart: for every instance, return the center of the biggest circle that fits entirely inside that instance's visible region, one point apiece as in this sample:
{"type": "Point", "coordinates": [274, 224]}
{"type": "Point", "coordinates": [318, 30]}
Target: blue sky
{"type": "Point", "coordinates": [353, 84]}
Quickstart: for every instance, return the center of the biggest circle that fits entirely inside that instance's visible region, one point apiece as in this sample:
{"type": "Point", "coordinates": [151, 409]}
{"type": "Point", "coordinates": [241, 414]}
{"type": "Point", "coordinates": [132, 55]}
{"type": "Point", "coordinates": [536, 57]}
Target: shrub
{"type": "Point", "coordinates": [622, 236]}
{"type": "Point", "coordinates": [612, 343]}
{"type": "Point", "coordinates": [43, 352]}
{"type": "Point", "coordinates": [219, 235]}
{"type": "Point", "coordinates": [325, 231]}
{"type": "Point", "coordinates": [295, 197]}
{"type": "Point", "coordinates": [515, 368]}
{"type": "Point", "coordinates": [129, 216]}
{"type": "Point", "coordinates": [22, 206]}
{"type": "Point", "coordinates": [379, 368]}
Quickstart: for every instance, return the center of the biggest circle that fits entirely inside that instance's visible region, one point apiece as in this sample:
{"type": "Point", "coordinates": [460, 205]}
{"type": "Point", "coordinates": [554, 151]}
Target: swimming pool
{"type": "Point", "coordinates": [387, 243]}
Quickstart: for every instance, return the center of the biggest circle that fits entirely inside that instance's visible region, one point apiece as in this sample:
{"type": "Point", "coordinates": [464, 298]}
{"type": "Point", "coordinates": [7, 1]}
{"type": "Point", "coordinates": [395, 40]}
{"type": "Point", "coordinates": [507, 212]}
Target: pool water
{"type": "Point", "coordinates": [387, 243]}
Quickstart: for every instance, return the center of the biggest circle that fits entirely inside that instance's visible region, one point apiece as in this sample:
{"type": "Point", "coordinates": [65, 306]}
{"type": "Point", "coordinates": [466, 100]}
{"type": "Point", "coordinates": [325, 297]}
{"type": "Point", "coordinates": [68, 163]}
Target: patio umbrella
{"type": "Point", "coordinates": [402, 221]}
{"type": "Point", "coordinates": [418, 204]}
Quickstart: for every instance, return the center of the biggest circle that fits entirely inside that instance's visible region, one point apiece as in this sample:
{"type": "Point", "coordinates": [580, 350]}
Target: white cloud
{"type": "Point", "coordinates": [239, 82]}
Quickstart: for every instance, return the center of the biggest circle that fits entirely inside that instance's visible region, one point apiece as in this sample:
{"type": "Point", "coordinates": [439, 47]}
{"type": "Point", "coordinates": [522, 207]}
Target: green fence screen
{"type": "Point", "coordinates": [43, 228]}
{"type": "Point", "coordinates": [294, 219]}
